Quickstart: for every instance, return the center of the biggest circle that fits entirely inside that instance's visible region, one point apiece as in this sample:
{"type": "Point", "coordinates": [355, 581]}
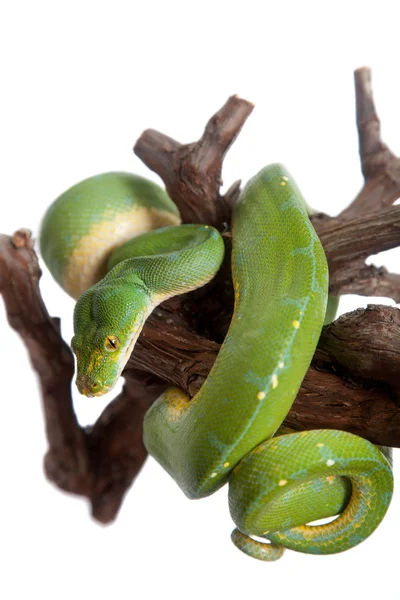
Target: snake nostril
{"type": "Point", "coordinates": [95, 386]}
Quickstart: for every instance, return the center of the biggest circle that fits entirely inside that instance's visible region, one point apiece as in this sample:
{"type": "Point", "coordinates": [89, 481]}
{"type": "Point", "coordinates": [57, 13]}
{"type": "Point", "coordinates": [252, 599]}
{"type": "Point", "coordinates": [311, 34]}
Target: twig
{"type": "Point", "coordinates": [192, 172]}
{"type": "Point", "coordinates": [380, 167]}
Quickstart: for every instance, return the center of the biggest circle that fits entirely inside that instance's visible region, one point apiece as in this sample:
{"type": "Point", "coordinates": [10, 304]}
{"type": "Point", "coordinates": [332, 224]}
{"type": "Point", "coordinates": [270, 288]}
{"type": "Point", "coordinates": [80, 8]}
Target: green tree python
{"type": "Point", "coordinates": [114, 243]}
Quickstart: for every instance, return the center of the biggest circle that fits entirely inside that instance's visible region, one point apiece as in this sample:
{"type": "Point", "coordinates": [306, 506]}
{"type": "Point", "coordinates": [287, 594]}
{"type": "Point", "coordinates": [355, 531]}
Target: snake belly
{"type": "Point", "coordinates": [230, 431]}
{"type": "Point", "coordinates": [276, 484]}
{"type": "Point", "coordinates": [89, 221]}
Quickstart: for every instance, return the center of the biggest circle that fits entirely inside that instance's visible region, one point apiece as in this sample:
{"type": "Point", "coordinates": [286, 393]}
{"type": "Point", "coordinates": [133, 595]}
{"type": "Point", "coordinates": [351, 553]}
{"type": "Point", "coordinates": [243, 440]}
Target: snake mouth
{"type": "Point", "coordinates": [91, 387]}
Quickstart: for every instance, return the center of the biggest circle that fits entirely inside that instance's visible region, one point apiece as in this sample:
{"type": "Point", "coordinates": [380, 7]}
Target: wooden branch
{"type": "Point", "coordinates": [101, 462]}
{"type": "Point", "coordinates": [348, 243]}
{"type": "Point", "coordinates": [192, 172]}
{"type": "Point", "coordinates": [370, 224]}
{"type": "Point", "coordinates": [352, 382]}
{"type": "Point", "coordinates": [380, 167]}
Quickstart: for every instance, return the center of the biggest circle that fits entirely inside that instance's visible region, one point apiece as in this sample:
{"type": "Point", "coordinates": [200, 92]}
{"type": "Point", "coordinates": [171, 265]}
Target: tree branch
{"type": "Point", "coordinates": [352, 383]}
{"type": "Point", "coordinates": [192, 172]}
{"type": "Point", "coordinates": [348, 243]}
{"type": "Point", "coordinates": [380, 167]}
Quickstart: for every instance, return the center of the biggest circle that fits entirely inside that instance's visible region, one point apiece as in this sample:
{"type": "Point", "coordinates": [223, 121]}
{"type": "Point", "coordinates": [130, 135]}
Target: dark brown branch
{"type": "Point", "coordinates": [100, 464]}
{"type": "Point", "coordinates": [348, 243]}
{"type": "Point", "coordinates": [115, 443]}
{"type": "Point", "coordinates": [181, 353]}
{"type": "Point", "coordinates": [380, 167]}
{"type": "Point", "coordinates": [373, 232]}
{"type": "Point", "coordinates": [352, 383]}
{"type": "Point", "coordinates": [370, 224]}
{"type": "Point", "coordinates": [360, 355]}
{"type": "Point", "coordinates": [50, 356]}
{"type": "Point", "coordinates": [192, 172]}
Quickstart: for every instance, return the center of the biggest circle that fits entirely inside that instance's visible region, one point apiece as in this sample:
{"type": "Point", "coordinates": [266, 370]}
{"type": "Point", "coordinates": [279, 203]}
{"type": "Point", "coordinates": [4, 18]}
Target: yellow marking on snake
{"type": "Point", "coordinates": [88, 260]}
{"type": "Point", "coordinates": [175, 405]}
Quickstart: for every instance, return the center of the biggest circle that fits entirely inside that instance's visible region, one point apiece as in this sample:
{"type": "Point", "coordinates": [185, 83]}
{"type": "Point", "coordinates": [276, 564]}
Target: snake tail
{"type": "Point", "coordinates": [291, 480]}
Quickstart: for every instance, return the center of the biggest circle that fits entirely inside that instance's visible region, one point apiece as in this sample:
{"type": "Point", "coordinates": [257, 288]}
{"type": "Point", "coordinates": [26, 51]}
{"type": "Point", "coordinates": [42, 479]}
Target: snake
{"type": "Point", "coordinates": [115, 243]}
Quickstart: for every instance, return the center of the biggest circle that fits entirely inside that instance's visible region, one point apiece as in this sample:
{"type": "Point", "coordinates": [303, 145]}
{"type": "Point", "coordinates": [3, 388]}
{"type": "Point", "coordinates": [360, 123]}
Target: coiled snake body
{"type": "Point", "coordinates": [229, 431]}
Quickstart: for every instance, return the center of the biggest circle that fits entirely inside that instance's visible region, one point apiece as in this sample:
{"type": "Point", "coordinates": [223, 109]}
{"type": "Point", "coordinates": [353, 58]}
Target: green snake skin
{"type": "Point", "coordinates": [278, 482]}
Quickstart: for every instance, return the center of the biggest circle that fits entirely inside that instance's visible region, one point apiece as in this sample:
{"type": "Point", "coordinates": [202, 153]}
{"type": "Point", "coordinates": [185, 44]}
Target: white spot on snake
{"type": "Point", "coordinates": [319, 445]}
{"type": "Point", "coordinates": [274, 381]}
{"type": "Point", "coordinates": [285, 178]}
{"type": "Point", "coordinates": [296, 324]}
{"type": "Point", "coordinates": [281, 364]}
{"type": "Point", "coordinates": [213, 474]}
{"type": "Point", "coordinates": [260, 395]}
{"type": "Point", "coordinates": [330, 462]}
{"type": "Point", "coordinates": [282, 482]}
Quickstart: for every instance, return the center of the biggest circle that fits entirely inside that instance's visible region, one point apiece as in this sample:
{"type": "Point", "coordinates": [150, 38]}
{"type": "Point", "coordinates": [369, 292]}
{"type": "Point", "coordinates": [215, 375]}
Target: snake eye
{"type": "Point", "coordinates": [112, 343]}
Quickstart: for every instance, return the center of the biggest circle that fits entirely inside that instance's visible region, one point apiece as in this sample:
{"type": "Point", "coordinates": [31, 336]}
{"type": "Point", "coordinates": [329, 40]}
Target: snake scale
{"type": "Point", "coordinates": [114, 243]}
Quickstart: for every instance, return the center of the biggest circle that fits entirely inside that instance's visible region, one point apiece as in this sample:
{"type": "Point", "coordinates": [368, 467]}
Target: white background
{"type": "Point", "coordinates": [79, 82]}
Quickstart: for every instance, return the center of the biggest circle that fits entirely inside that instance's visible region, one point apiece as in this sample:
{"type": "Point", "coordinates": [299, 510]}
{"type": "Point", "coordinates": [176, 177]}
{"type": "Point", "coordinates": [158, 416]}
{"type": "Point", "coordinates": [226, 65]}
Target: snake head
{"type": "Point", "coordinates": [108, 319]}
